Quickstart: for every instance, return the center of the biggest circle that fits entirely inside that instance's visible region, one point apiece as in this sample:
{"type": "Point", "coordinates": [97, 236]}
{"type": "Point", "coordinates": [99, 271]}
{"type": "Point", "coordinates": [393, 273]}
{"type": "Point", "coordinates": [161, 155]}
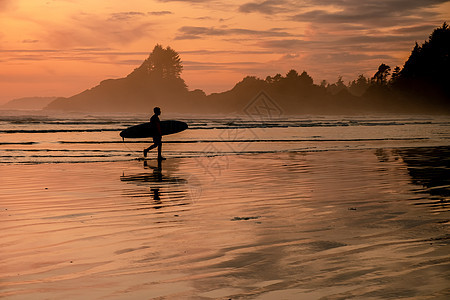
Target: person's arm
{"type": "Point", "coordinates": [158, 126]}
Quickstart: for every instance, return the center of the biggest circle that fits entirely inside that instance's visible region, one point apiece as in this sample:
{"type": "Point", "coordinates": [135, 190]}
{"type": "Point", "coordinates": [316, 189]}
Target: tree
{"type": "Point", "coordinates": [359, 86]}
{"type": "Point", "coordinates": [380, 77]}
{"type": "Point", "coordinates": [277, 77]}
{"type": "Point", "coordinates": [160, 72]}
{"type": "Point", "coordinates": [395, 75]}
{"type": "Point", "coordinates": [162, 63]}
{"type": "Point", "coordinates": [336, 87]}
{"type": "Point", "coordinates": [292, 74]}
{"type": "Point", "coordinates": [412, 65]}
{"type": "Point", "coordinates": [425, 75]}
{"type": "Point", "coordinates": [305, 79]}
{"type": "Point", "coordinates": [431, 61]}
{"type": "Point", "coordinates": [340, 83]}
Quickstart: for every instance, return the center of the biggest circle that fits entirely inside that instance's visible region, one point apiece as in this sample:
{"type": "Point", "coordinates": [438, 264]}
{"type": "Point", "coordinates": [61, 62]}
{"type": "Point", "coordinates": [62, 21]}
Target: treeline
{"type": "Point", "coordinates": [421, 85]}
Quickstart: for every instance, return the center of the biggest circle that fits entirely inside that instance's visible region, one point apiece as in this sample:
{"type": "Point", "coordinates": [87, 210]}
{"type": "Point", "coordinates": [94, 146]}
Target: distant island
{"type": "Point", "coordinates": [31, 103]}
{"type": "Point", "coordinates": [422, 85]}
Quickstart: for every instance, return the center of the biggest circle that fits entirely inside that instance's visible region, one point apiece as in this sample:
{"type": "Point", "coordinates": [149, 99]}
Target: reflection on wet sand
{"type": "Point", "coordinates": [164, 189]}
{"type": "Point", "coordinates": [430, 168]}
{"type": "Point", "coordinates": [320, 225]}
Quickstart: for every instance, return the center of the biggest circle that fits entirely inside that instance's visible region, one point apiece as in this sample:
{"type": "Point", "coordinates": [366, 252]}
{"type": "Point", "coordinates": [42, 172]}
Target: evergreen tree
{"type": "Point", "coordinates": [380, 77]}
{"type": "Point", "coordinates": [337, 87]}
{"type": "Point", "coordinates": [359, 86]}
{"type": "Point", "coordinates": [395, 74]}
{"type": "Point", "coordinates": [426, 72]}
{"type": "Point", "coordinates": [292, 75]}
{"type": "Point", "coordinates": [165, 63]}
{"type": "Point", "coordinates": [162, 63]}
{"type": "Point", "coordinates": [305, 79]}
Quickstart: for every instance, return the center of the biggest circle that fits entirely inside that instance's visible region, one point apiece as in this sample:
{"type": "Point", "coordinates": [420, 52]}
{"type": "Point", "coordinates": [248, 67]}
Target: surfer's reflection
{"type": "Point", "coordinates": [156, 198]}
{"type": "Point", "coordinates": [157, 171]}
{"type": "Point", "coordinates": [166, 190]}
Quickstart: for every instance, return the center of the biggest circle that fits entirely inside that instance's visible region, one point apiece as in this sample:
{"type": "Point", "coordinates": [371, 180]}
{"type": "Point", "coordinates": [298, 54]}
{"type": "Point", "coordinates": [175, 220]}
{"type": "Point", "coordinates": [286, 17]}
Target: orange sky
{"type": "Point", "coordinates": [62, 47]}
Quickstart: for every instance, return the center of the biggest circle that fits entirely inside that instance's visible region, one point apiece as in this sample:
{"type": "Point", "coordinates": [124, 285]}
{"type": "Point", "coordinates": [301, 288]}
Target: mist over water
{"type": "Point", "coordinates": [38, 137]}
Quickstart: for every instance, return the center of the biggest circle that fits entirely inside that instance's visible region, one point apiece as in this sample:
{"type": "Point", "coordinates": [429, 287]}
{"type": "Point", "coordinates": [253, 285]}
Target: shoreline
{"type": "Point", "coordinates": [232, 154]}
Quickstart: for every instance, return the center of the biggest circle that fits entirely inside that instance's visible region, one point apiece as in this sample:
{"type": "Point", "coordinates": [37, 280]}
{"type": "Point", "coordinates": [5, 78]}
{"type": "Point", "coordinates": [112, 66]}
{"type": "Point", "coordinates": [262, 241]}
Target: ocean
{"type": "Point", "coordinates": [244, 207]}
{"type": "Point", "coordinates": [33, 137]}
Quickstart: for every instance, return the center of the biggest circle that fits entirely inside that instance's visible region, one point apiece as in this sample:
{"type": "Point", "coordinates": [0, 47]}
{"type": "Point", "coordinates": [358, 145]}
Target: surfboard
{"type": "Point", "coordinates": [144, 130]}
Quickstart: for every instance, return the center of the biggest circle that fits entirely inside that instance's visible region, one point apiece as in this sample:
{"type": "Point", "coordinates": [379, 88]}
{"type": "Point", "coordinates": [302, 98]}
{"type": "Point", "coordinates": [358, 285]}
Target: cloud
{"type": "Point", "coordinates": [29, 41]}
{"type": "Point", "coordinates": [348, 57]}
{"type": "Point", "coordinates": [203, 18]}
{"type": "Point", "coordinates": [6, 5]}
{"type": "Point", "coordinates": [224, 52]}
{"type": "Point", "coordinates": [88, 30]}
{"type": "Point", "coordinates": [125, 16]}
{"type": "Point", "coordinates": [218, 5]}
{"type": "Point", "coordinates": [376, 39]}
{"type": "Point", "coordinates": [367, 18]}
{"type": "Point", "coordinates": [291, 56]}
{"type": "Point", "coordinates": [197, 32]}
{"type": "Point", "coordinates": [350, 34]}
{"type": "Point", "coordinates": [342, 43]}
{"type": "Point", "coordinates": [354, 12]}
{"type": "Point", "coordinates": [133, 15]}
{"type": "Point", "coordinates": [267, 7]}
{"type": "Point", "coordinates": [427, 28]}
{"type": "Point", "coordinates": [369, 12]}
{"type": "Point", "coordinates": [286, 44]}
{"type": "Point", "coordinates": [186, 1]}
{"type": "Point", "coordinates": [197, 65]}
{"type": "Point", "coordinates": [160, 13]}
{"type": "Point", "coordinates": [95, 55]}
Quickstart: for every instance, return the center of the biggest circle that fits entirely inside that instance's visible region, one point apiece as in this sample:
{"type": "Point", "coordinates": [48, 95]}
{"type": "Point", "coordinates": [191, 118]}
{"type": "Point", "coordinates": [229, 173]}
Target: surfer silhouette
{"type": "Point", "coordinates": [155, 125]}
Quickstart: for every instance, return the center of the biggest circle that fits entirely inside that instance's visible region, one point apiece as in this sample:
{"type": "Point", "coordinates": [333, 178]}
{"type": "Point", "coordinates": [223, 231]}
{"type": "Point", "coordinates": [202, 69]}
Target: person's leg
{"type": "Point", "coordinates": [159, 150]}
{"type": "Point", "coordinates": [150, 148]}
{"type": "Point", "coordinates": [159, 142]}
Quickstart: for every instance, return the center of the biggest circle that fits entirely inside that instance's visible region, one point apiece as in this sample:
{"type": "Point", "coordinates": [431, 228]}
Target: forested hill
{"type": "Point", "coordinates": [421, 85]}
{"type": "Point", "coordinates": [156, 81]}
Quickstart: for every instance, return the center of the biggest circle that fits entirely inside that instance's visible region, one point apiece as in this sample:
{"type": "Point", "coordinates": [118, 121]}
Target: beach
{"type": "Point", "coordinates": [331, 224]}
{"type": "Point", "coordinates": [230, 150]}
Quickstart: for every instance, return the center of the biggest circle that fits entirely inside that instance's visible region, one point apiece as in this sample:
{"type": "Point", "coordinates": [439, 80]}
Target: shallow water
{"type": "Point", "coordinates": [41, 137]}
{"type": "Point", "coordinates": [353, 224]}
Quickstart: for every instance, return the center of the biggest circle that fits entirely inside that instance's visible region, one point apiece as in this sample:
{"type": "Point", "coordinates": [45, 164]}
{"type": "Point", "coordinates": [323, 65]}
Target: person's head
{"type": "Point", "coordinates": [157, 110]}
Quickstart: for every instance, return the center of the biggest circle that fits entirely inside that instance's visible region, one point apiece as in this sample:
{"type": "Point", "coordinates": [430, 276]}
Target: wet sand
{"type": "Point", "coordinates": [361, 224]}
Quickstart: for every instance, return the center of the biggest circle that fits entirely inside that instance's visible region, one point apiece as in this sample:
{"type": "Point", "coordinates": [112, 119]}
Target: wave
{"type": "Point", "coordinates": [246, 141]}
{"type": "Point", "coordinates": [41, 159]}
{"type": "Point", "coordinates": [18, 143]}
{"type": "Point", "coordinates": [66, 150]}
{"type": "Point", "coordinates": [135, 155]}
{"type": "Point", "coordinates": [217, 123]}
{"type": "Point", "coordinates": [71, 122]}
{"type": "Point", "coordinates": [56, 130]}
{"type": "Point", "coordinates": [299, 124]}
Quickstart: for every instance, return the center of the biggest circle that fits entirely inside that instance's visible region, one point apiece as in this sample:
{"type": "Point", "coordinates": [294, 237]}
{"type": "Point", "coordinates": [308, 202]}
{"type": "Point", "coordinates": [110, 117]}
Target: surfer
{"type": "Point", "coordinates": [155, 125]}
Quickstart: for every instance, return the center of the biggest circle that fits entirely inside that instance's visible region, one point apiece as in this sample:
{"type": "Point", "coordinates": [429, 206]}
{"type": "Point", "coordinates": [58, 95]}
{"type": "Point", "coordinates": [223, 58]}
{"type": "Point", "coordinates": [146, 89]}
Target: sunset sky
{"type": "Point", "coordinates": [62, 47]}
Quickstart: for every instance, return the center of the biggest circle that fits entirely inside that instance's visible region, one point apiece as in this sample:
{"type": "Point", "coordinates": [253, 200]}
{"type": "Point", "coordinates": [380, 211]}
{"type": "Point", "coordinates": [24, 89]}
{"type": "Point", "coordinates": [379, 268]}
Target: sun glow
{"type": "Point", "coordinates": [58, 48]}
